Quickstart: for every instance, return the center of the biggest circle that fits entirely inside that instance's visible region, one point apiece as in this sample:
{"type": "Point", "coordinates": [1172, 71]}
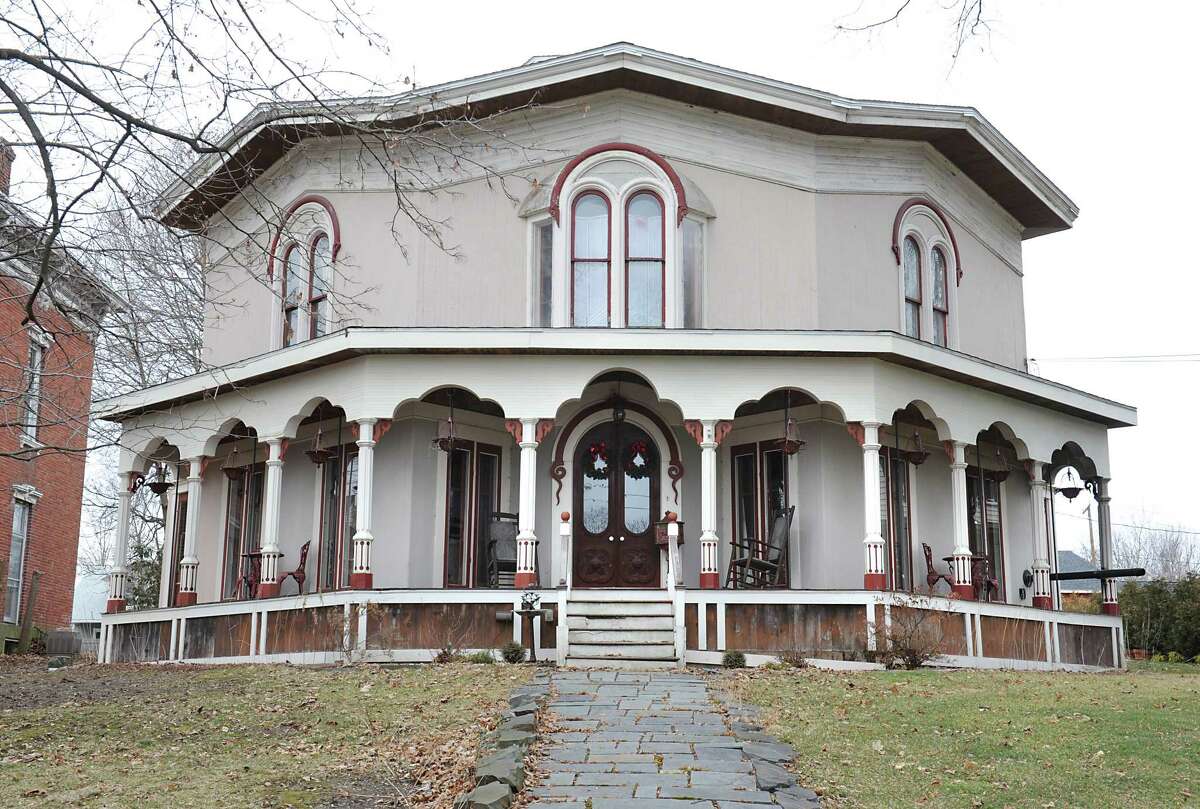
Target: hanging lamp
{"type": "Point", "coordinates": [792, 443]}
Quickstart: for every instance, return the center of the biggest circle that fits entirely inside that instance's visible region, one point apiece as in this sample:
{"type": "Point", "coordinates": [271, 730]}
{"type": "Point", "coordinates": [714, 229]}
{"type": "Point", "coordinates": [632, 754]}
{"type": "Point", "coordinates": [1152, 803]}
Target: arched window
{"type": "Point", "coordinates": [295, 287]}
{"type": "Point", "coordinates": [590, 260]}
{"type": "Point", "coordinates": [912, 287]}
{"type": "Point", "coordinates": [941, 299]}
{"type": "Point", "coordinates": [645, 267]}
{"type": "Point", "coordinates": [320, 281]}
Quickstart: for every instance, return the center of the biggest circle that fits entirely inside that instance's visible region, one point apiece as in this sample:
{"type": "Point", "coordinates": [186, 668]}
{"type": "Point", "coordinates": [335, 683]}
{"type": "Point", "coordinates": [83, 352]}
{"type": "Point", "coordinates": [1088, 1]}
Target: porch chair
{"type": "Point", "coordinates": [759, 564]}
{"type": "Point", "coordinates": [297, 574]}
{"type": "Point", "coordinates": [983, 580]}
{"type": "Point", "coordinates": [932, 576]}
{"type": "Point", "coordinates": [502, 548]}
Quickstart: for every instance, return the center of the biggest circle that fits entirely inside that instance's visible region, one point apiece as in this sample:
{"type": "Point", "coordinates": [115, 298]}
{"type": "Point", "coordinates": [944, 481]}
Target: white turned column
{"type": "Point", "coordinates": [875, 573]}
{"type": "Point", "coordinates": [1108, 587]}
{"type": "Point", "coordinates": [1041, 565]}
{"type": "Point", "coordinates": [526, 574]}
{"type": "Point", "coordinates": [710, 574]}
{"type": "Point", "coordinates": [961, 568]}
{"type": "Point", "coordinates": [360, 573]}
{"type": "Point", "coordinates": [268, 586]}
{"type": "Point", "coordinates": [189, 562]}
{"type": "Point", "coordinates": [119, 572]}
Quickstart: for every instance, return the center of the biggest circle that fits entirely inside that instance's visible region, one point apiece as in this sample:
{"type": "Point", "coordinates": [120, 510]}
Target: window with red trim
{"type": "Point", "coordinates": [307, 282]}
{"type": "Point", "coordinates": [295, 282]}
{"type": "Point", "coordinates": [645, 266]}
{"type": "Point", "coordinates": [591, 265]}
{"type": "Point", "coordinates": [941, 299]}
{"type": "Point", "coordinates": [912, 287]}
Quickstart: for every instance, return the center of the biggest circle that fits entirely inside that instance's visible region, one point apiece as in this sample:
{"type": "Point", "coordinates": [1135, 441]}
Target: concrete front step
{"type": "Point", "coordinates": [626, 651]}
{"type": "Point", "coordinates": [618, 609]}
{"type": "Point", "coordinates": [623, 637]}
{"type": "Point", "coordinates": [618, 663]}
{"type": "Point", "coordinates": [635, 623]}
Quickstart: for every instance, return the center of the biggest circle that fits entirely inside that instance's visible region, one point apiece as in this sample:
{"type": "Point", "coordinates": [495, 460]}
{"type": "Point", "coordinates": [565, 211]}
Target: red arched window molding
{"type": "Point", "coordinates": [591, 260]}
{"type": "Point", "coordinates": [618, 146]}
{"type": "Point", "coordinates": [912, 287]}
{"type": "Point", "coordinates": [645, 261]}
{"type": "Point", "coordinates": [931, 205]}
{"type": "Point", "coordinates": [295, 287]}
{"type": "Point", "coordinates": [320, 282]}
{"type": "Point", "coordinates": [335, 227]}
{"type": "Point", "coordinates": [941, 299]}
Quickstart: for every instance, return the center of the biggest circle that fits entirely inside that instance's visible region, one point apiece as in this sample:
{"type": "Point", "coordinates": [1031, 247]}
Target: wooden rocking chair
{"type": "Point", "coordinates": [758, 564]}
{"type": "Point", "coordinates": [502, 549]}
{"type": "Point", "coordinates": [298, 574]}
{"type": "Point", "coordinates": [932, 576]}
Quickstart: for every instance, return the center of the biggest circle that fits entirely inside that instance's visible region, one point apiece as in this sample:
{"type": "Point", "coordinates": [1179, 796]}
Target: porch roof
{"type": "Point", "coordinates": [884, 345]}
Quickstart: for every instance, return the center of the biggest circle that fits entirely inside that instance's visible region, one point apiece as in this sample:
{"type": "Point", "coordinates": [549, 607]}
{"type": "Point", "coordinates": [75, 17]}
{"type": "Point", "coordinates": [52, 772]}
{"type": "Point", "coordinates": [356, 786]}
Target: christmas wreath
{"type": "Point", "coordinates": [597, 467]}
{"type": "Point", "coordinates": [637, 451]}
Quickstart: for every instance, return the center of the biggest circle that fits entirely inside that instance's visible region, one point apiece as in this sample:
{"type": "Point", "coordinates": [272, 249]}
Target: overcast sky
{"type": "Point", "coordinates": [1101, 103]}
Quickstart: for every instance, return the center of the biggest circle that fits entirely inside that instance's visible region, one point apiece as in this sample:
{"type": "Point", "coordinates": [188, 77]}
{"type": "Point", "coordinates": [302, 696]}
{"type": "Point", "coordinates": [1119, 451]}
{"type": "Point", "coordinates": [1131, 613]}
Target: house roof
{"type": "Point", "coordinates": [962, 134]}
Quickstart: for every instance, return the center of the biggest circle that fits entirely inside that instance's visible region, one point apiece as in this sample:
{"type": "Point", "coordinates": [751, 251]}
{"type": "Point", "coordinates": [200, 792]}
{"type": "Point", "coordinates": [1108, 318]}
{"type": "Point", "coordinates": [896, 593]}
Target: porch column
{"type": "Point", "coordinates": [1041, 565]}
{"type": "Point", "coordinates": [526, 573]}
{"type": "Point", "coordinates": [120, 569]}
{"type": "Point", "coordinates": [360, 574]}
{"type": "Point", "coordinates": [268, 586]}
{"type": "Point", "coordinates": [961, 569]}
{"type": "Point", "coordinates": [188, 564]}
{"type": "Point", "coordinates": [875, 575]}
{"type": "Point", "coordinates": [1108, 587]}
{"type": "Point", "coordinates": [710, 574]}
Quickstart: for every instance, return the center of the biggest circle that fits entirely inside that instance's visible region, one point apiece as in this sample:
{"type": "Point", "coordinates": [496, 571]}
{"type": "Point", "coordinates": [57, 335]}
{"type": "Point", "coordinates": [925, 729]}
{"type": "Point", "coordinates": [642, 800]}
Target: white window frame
{"type": "Point", "coordinates": [31, 404]}
{"type": "Point", "coordinates": [24, 496]}
{"type": "Point", "coordinates": [305, 224]}
{"type": "Point", "coordinates": [925, 227]}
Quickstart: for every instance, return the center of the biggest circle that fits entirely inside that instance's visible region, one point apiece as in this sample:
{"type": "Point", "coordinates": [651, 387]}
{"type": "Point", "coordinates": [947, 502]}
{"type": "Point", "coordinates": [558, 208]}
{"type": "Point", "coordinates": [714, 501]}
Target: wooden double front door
{"type": "Point", "coordinates": [616, 483]}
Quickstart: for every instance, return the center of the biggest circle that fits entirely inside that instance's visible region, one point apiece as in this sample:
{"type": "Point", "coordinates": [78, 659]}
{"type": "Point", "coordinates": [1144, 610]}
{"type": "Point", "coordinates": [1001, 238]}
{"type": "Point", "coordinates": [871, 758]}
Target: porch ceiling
{"type": "Point", "coordinates": [884, 345]}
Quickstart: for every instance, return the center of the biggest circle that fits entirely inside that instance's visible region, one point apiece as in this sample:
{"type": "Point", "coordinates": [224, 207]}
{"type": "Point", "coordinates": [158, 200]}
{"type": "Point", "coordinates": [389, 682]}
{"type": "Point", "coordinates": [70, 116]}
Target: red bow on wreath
{"type": "Point", "coordinates": [633, 469]}
{"type": "Point", "coordinates": [598, 468]}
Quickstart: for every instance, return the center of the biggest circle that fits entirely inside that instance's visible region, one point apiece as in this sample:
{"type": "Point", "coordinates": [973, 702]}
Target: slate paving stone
{"type": "Point", "coordinates": [769, 751]}
{"type": "Point", "coordinates": [772, 777]}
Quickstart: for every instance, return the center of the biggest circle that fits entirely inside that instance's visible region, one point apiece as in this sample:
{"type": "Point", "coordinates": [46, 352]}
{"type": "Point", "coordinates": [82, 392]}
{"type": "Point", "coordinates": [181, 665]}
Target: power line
{"type": "Point", "coordinates": [1128, 525]}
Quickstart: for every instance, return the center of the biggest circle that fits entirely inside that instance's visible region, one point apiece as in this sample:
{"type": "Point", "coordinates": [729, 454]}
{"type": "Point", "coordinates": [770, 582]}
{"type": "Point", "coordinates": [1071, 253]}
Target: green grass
{"type": "Point", "coordinates": [990, 739]}
{"type": "Point", "coordinates": [249, 736]}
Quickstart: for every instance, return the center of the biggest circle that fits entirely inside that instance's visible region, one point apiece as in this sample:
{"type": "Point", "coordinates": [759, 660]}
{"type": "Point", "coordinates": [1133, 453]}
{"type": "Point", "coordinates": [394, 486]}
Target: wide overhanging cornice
{"type": "Point", "coordinates": [962, 134]}
{"type": "Point", "coordinates": [365, 340]}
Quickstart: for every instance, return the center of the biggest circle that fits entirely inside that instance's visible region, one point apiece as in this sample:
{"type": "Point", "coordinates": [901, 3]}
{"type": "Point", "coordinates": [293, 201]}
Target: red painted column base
{"type": "Point", "coordinates": [875, 581]}
{"type": "Point", "coordinates": [1043, 602]}
{"type": "Point", "coordinates": [115, 605]}
{"type": "Point", "coordinates": [268, 589]}
{"type": "Point", "coordinates": [1110, 608]}
{"type": "Point", "coordinates": [710, 581]}
{"type": "Point", "coordinates": [184, 599]}
{"type": "Point", "coordinates": [964, 591]}
{"type": "Point", "coordinates": [524, 578]}
{"type": "Point", "coordinates": [361, 581]}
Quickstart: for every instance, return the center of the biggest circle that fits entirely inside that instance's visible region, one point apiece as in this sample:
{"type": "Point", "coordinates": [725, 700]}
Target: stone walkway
{"type": "Point", "coordinates": [631, 740]}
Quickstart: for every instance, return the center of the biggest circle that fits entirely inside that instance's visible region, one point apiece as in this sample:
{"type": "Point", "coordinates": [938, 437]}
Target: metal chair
{"type": "Point", "coordinates": [502, 548]}
{"type": "Point", "coordinates": [932, 576]}
{"type": "Point", "coordinates": [758, 564]}
{"type": "Point", "coordinates": [298, 574]}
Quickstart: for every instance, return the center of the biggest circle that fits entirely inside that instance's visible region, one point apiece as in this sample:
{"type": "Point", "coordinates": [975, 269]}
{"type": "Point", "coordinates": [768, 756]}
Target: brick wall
{"type": "Point", "coordinates": [58, 475]}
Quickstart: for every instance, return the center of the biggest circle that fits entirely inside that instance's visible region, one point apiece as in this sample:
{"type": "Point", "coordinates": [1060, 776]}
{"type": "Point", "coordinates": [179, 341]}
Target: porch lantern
{"type": "Point", "coordinates": [445, 439]}
{"type": "Point", "coordinates": [1072, 488]}
{"type": "Point", "coordinates": [316, 454]}
{"type": "Point", "coordinates": [792, 443]}
{"type": "Point", "coordinates": [916, 456]}
{"type": "Point", "coordinates": [161, 483]}
{"type": "Point", "coordinates": [231, 468]}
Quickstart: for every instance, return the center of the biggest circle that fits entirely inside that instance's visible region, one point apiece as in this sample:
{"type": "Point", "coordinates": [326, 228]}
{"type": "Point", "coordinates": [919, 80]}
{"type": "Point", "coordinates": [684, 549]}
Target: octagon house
{"type": "Point", "coordinates": [701, 360]}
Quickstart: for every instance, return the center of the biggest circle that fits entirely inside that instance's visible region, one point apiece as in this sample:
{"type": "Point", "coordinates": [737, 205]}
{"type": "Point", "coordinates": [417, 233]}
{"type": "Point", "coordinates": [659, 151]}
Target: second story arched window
{"type": "Point", "coordinates": [912, 287]}
{"type": "Point", "coordinates": [308, 276]}
{"type": "Point", "coordinates": [941, 299]}
{"type": "Point", "coordinates": [590, 261]}
{"type": "Point", "coordinates": [645, 265]}
{"type": "Point", "coordinates": [320, 281]}
{"type": "Point", "coordinates": [295, 281]}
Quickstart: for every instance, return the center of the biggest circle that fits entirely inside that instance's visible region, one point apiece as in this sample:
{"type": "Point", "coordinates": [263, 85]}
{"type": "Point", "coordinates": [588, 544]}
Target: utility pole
{"type": "Point", "coordinates": [1091, 535]}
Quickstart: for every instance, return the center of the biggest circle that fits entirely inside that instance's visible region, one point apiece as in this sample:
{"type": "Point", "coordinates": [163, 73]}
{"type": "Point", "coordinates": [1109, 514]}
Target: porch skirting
{"type": "Point", "coordinates": [832, 628]}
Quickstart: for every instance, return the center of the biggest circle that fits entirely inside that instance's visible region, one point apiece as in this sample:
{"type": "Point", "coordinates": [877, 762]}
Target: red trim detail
{"type": "Point", "coordinates": [544, 426]}
{"type": "Point", "coordinates": [875, 581]}
{"type": "Point", "coordinates": [361, 581]}
{"type": "Point", "coordinates": [618, 146]}
{"type": "Point", "coordinates": [662, 259]}
{"type": "Point", "coordinates": [185, 599]}
{"type": "Point", "coordinates": [933, 206]}
{"type": "Point", "coordinates": [695, 429]}
{"type": "Point", "coordinates": [1043, 602]}
{"type": "Point", "coordinates": [1110, 608]}
{"type": "Point", "coordinates": [587, 260]}
{"type": "Point", "coordinates": [114, 605]}
{"type": "Point", "coordinates": [380, 429]}
{"type": "Point", "coordinates": [291, 209]}
{"type": "Point", "coordinates": [514, 428]}
{"type": "Point", "coordinates": [710, 581]}
{"type": "Point", "coordinates": [724, 428]}
{"type": "Point", "coordinates": [268, 589]}
{"type": "Point", "coordinates": [948, 448]}
{"type": "Point", "coordinates": [963, 591]}
{"type": "Point", "coordinates": [524, 579]}
{"type": "Point", "coordinates": [857, 432]}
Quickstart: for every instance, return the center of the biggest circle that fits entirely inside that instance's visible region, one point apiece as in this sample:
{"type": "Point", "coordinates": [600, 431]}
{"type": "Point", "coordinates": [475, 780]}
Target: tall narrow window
{"type": "Point", "coordinates": [16, 560]}
{"type": "Point", "coordinates": [760, 488]}
{"type": "Point", "coordinates": [243, 524]}
{"type": "Point", "coordinates": [896, 520]}
{"type": "Point", "coordinates": [543, 267]}
{"type": "Point", "coordinates": [295, 283]}
{"type": "Point", "coordinates": [645, 280]}
{"type": "Point", "coordinates": [745, 492]}
{"type": "Point", "coordinates": [33, 387]}
{"type": "Point", "coordinates": [349, 514]}
{"type": "Point", "coordinates": [319, 286]}
{"type": "Point", "coordinates": [458, 515]}
{"type": "Point", "coordinates": [941, 298]}
{"type": "Point", "coordinates": [178, 529]}
{"type": "Point", "coordinates": [912, 287]}
{"type": "Point", "coordinates": [590, 261]}
{"type": "Point", "coordinates": [692, 266]}
{"type": "Point", "coordinates": [984, 519]}
{"type": "Point", "coordinates": [331, 520]}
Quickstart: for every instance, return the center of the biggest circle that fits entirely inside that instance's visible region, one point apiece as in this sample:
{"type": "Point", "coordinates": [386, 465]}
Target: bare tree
{"type": "Point", "coordinates": [1166, 552]}
{"type": "Point", "coordinates": [967, 20]}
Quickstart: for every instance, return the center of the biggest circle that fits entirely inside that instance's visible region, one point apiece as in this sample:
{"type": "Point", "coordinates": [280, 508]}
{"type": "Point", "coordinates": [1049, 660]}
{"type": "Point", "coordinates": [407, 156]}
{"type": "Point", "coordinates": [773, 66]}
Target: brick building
{"type": "Point", "coordinates": [45, 391]}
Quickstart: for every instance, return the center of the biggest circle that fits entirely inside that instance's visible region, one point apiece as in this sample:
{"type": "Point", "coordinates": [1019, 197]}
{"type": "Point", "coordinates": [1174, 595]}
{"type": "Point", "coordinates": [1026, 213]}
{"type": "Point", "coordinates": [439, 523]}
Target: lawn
{"type": "Point", "coordinates": [988, 739]}
{"type": "Point", "coordinates": [243, 736]}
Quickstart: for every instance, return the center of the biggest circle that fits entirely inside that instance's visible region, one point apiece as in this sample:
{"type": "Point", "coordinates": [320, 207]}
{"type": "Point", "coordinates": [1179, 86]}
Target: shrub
{"type": "Point", "coordinates": [794, 659]}
{"type": "Point", "coordinates": [734, 660]}
{"type": "Point", "coordinates": [447, 654]}
{"type": "Point", "coordinates": [513, 652]}
{"type": "Point", "coordinates": [1162, 616]}
{"type": "Point", "coordinates": [481, 657]}
{"type": "Point", "coordinates": [1176, 657]}
{"type": "Point", "coordinates": [914, 638]}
